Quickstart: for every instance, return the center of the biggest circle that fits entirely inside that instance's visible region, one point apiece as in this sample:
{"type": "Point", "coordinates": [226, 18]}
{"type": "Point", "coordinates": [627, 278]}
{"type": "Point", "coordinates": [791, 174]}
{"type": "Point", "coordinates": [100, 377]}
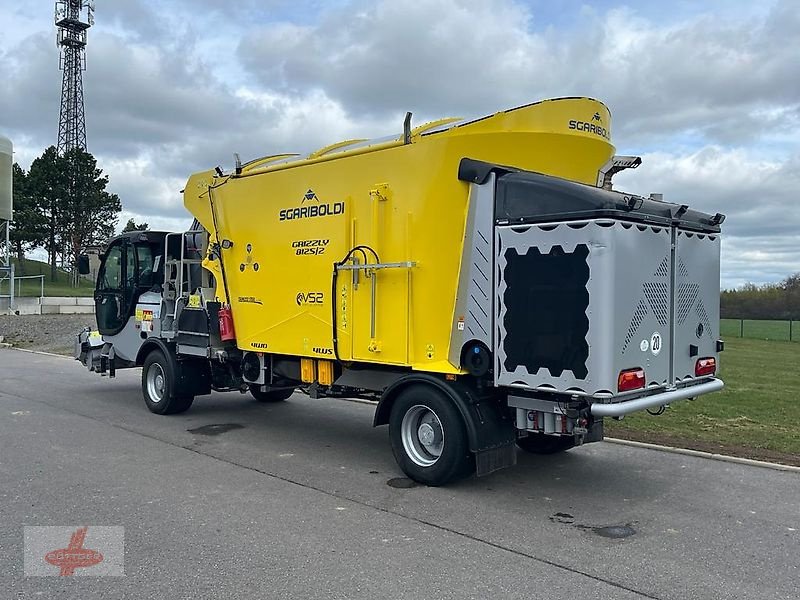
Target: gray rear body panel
{"type": "Point", "coordinates": [632, 276]}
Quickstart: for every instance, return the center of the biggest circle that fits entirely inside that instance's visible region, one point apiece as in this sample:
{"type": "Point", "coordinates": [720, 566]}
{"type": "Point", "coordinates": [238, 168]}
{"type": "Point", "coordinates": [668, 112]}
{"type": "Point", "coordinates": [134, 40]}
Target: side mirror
{"type": "Point", "coordinates": [83, 264]}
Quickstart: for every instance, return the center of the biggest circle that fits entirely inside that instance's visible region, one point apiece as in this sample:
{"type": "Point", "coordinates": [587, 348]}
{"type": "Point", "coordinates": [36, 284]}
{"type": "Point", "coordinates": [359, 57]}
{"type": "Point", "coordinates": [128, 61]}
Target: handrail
{"type": "Point", "coordinates": [19, 277]}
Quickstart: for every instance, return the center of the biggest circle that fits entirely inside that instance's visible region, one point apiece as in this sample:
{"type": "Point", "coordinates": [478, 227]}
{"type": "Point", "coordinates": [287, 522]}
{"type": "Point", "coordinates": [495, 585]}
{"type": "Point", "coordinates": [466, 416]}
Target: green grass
{"type": "Point", "coordinates": [32, 287]}
{"type": "Point", "coordinates": [760, 329]}
{"type": "Point", "coordinates": [757, 410]}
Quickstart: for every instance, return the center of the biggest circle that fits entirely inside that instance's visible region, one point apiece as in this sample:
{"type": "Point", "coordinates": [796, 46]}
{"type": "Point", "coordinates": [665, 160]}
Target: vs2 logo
{"type": "Point", "coordinates": [309, 298]}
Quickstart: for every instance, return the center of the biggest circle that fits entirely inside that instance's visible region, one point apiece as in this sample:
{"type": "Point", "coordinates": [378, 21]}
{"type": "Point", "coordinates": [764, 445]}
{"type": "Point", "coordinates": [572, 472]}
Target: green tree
{"type": "Point", "coordinates": [48, 184]}
{"type": "Point", "coordinates": [766, 301]}
{"type": "Point", "coordinates": [88, 211]}
{"type": "Point", "coordinates": [28, 229]}
{"type": "Point", "coordinates": [77, 208]}
{"type": "Point", "coordinates": [132, 225]}
{"type": "Point", "coordinates": [791, 288]}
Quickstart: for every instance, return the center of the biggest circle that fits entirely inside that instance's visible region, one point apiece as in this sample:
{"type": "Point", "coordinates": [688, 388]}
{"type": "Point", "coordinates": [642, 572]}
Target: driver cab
{"type": "Point", "coordinates": [132, 265]}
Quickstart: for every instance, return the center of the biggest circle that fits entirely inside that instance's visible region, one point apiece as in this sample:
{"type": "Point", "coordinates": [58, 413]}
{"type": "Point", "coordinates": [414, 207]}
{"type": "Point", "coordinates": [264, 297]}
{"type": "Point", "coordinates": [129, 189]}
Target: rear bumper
{"type": "Point", "coordinates": [618, 409]}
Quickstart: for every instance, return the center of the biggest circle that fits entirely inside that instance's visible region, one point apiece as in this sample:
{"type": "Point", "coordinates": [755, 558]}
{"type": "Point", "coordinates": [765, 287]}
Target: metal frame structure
{"type": "Point", "coordinates": [72, 18]}
{"type": "Point", "coordinates": [6, 266]}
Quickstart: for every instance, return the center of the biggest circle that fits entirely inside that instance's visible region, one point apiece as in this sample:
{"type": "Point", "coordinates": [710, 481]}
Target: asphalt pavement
{"type": "Point", "coordinates": [302, 499]}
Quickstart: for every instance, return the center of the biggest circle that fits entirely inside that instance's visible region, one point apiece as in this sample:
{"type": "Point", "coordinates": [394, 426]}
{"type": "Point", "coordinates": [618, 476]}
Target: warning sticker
{"type": "Point", "coordinates": [147, 312]}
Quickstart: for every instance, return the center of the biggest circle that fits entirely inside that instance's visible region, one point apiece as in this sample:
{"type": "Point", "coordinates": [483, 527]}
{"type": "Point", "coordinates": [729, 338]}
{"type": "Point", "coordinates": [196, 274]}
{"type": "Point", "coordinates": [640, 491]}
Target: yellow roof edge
{"type": "Point", "coordinates": [432, 124]}
{"type": "Point", "coordinates": [327, 153]}
{"type": "Point", "coordinates": [259, 162]}
{"type": "Point", "coordinates": [326, 157]}
{"type": "Point", "coordinates": [331, 147]}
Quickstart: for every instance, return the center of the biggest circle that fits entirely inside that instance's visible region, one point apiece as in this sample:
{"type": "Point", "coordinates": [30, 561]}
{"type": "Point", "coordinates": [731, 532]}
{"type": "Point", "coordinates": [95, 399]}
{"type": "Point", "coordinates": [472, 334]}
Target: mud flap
{"type": "Point", "coordinates": [494, 441]}
{"type": "Point", "coordinates": [494, 459]}
{"type": "Point", "coordinates": [193, 377]}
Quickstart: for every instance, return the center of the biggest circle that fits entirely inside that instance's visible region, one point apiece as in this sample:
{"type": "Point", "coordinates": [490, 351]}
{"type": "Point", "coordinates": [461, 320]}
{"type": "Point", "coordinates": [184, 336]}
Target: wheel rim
{"type": "Point", "coordinates": [423, 435]}
{"type": "Point", "coordinates": [156, 383]}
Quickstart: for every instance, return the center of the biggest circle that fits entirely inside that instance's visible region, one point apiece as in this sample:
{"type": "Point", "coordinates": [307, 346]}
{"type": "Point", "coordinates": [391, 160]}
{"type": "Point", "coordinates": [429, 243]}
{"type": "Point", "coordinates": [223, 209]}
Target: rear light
{"type": "Point", "coordinates": [705, 366]}
{"type": "Point", "coordinates": [630, 379]}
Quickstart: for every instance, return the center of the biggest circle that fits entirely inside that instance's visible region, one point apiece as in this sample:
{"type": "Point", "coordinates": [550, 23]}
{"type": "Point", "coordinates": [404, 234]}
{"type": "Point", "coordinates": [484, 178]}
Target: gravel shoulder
{"type": "Point", "coordinates": [47, 333]}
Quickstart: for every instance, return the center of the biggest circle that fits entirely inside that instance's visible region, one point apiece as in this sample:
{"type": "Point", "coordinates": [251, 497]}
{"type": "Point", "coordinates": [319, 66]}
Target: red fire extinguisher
{"type": "Point", "coordinates": [226, 331]}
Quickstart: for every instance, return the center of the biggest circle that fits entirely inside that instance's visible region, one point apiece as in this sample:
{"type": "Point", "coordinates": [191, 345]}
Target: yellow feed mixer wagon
{"type": "Point", "coordinates": [479, 279]}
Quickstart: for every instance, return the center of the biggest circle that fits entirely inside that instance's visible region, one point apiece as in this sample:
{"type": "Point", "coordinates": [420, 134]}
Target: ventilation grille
{"type": "Point", "coordinates": [663, 268]}
{"type": "Point", "coordinates": [682, 270]}
{"type": "Point", "coordinates": [638, 316]}
{"type": "Point", "coordinates": [658, 297]}
{"type": "Point", "coordinates": [687, 294]}
{"type": "Point", "coordinates": [478, 306]}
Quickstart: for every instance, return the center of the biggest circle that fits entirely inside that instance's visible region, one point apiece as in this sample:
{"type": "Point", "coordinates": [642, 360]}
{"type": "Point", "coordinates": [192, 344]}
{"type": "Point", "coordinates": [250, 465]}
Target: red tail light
{"type": "Point", "coordinates": [630, 379]}
{"type": "Point", "coordinates": [705, 366]}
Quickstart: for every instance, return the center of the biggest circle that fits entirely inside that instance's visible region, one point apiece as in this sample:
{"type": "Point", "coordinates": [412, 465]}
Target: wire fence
{"type": "Point", "coordinates": [759, 329]}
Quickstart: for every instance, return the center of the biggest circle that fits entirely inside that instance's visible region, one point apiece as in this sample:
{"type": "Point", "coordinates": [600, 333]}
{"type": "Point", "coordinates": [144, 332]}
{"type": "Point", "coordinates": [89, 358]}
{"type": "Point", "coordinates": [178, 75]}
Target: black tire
{"type": "Point", "coordinates": [159, 386]}
{"type": "Point", "coordinates": [539, 443]}
{"type": "Point", "coordinates": [444, 459]}
{"type": "Point", "coordinates": [271, 396]}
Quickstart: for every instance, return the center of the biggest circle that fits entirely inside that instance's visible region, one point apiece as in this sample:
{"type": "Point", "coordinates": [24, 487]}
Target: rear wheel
{"type": "Point", "coordinates": [539, 443]}
{"type": "Point", "coordinates": [271, 396]}
{"type": "Point", "coordinates": [429, 439]}
{"type": "Point", "coordinates": [159, 386]}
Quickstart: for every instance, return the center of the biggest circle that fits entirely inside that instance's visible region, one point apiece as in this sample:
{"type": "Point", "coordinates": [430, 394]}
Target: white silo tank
{"type": "Point", "coordinates": [6, 177]}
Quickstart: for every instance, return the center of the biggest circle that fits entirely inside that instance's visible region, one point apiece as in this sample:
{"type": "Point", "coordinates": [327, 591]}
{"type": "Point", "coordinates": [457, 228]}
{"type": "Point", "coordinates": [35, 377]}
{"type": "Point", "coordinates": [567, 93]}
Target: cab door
{"type": "Point", "coordinates": [113, 292]}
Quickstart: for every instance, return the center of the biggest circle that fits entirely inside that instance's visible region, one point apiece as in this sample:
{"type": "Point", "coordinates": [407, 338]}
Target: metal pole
{"type": "Point", "coordinates": [11, 305]}
{"type": "Point", "coordinates": [741, 328]}
{"type": "Point", "coordinates": [372, 307]}
{"type": "Point", "coordinates": [8, 263]}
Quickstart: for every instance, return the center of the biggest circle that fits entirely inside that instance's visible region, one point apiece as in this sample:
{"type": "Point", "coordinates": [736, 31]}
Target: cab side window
{"type": "Point", "coordinates": [144, 254]}
{"type": "Point", "coordinates": [111, 276]}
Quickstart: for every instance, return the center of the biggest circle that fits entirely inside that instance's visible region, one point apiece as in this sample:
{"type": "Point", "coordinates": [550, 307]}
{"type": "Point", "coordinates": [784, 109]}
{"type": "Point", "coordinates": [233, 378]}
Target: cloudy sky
{"type": "Point", "coordinates": [708, 93]}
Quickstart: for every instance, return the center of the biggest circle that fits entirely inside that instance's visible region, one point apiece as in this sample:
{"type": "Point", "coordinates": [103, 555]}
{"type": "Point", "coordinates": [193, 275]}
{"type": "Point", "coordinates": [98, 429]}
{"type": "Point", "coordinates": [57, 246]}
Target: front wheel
{"type": "Point", "coordinates": [539, 443]}
{"type": "Point", "coordinates": [428, 436]}
{"type": "Point", "coordinates": [159, 386]}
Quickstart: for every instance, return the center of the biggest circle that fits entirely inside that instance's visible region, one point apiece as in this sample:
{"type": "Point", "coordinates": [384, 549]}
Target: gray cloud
{"type": "Point", "coordinates": [472, 57]}
{"type": "Point", "coordinates": [758, 197]}
{"type": "Point", "coordinates": [712, 101]}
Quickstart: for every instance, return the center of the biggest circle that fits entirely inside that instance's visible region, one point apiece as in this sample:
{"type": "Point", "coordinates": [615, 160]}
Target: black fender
{"type": "Point", "coordinates": [151, 344]}
{"type": "Point", "coordinates": [193, 376]}
{"type": "Point", "coordinates": [488, 425]}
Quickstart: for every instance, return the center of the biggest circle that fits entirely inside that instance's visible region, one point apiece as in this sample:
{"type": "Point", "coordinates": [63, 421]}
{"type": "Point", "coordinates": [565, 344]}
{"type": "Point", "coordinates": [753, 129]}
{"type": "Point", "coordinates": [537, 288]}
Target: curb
{"type": "Point", "coordinates": [710, 455]}
{"type": "Point", "coordinates": [36, 352]}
